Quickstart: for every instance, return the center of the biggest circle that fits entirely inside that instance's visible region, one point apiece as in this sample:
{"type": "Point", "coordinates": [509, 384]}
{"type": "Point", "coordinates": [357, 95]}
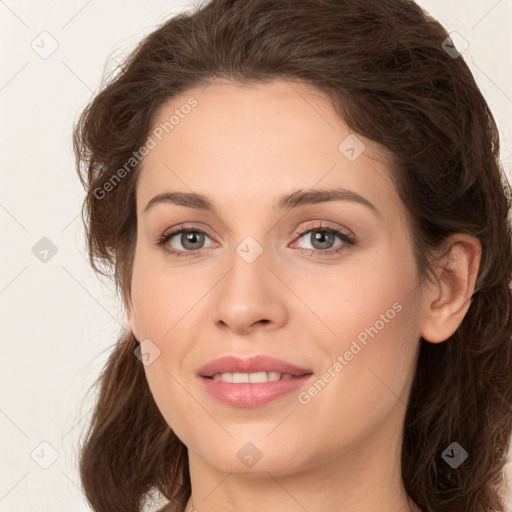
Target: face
{"type": "Point", "coordinates": [326, 283]}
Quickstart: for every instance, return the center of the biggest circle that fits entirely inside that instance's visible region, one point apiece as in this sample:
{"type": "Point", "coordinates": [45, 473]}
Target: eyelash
{"type": "Point", "coordinates": [323, 227]}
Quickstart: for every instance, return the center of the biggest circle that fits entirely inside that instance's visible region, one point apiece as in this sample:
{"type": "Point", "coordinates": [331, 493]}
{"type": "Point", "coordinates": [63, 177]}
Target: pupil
{"type": "Point", "coordinates": [323, 234]}
{"type": "Point", "coordinates": [190, 237]}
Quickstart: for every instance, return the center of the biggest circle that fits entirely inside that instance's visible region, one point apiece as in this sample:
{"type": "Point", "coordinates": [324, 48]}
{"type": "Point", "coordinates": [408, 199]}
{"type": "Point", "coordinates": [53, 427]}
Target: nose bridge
{"type": "Point", "coordinates": [249, 292]}
{"type": "Point", "coordinates": [249, 275]}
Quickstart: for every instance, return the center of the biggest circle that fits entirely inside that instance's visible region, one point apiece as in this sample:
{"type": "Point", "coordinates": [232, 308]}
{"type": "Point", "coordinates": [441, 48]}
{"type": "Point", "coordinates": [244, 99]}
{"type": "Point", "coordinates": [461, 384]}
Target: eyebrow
{"type": "Point", "coordinates": [296, 199]}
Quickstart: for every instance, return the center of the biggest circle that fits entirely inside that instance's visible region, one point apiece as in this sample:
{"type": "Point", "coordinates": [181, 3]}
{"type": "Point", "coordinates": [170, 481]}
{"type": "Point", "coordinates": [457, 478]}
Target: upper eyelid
{"type": "Point", "coordinates": [323, 225]}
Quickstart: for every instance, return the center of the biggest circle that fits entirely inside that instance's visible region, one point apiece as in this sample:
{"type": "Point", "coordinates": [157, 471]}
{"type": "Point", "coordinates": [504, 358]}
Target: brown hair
{"type": "Point", "coordinates": [384, 67]}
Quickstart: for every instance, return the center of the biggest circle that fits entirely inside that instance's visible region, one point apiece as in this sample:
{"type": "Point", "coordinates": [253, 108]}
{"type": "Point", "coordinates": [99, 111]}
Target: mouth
{"type": "Point", "coordinates": [251, 382]}
{"type": "Point", "coordinates": [252, 378]}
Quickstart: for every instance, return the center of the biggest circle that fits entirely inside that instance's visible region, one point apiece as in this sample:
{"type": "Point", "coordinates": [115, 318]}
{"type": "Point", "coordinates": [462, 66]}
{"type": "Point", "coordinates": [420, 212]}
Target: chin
{"type": "Point", "coordinates": [255, 456]}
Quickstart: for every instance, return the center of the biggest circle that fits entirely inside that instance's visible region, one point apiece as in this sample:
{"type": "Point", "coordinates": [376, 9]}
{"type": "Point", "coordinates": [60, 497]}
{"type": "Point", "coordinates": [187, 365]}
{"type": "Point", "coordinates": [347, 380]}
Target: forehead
{"type": "Point", "coordinates": [237, 118]}
{"type": "Point", "coordinates": [228, 138]}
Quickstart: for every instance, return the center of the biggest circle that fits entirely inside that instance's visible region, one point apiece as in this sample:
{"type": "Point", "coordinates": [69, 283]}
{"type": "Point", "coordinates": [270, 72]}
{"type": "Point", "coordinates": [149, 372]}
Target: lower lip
{"type": "Point", "coordinates": [253, 395]}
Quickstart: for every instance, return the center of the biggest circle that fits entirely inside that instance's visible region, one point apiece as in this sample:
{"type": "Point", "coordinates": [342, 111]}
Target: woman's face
{"type": "Point", "coordinates": [347, 315]}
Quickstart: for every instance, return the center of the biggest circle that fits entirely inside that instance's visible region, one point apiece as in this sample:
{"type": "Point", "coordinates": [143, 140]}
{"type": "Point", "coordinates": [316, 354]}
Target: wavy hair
{"type": "Point", "coordinates": [384, 67]}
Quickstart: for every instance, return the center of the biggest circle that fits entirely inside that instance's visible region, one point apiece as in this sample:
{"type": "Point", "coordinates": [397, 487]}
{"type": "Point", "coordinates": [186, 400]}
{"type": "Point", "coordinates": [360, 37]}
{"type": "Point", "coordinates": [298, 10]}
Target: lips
{"type": "Point", "coordinates": [256, 364]}
{"type": "Point", "coordinates": [252, 382]}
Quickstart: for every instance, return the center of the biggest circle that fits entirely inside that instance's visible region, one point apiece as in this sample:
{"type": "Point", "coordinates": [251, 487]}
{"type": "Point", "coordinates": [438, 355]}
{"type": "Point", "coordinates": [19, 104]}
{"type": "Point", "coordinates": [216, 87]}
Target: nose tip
{"type": "Point", "coordinates": [248, 299]}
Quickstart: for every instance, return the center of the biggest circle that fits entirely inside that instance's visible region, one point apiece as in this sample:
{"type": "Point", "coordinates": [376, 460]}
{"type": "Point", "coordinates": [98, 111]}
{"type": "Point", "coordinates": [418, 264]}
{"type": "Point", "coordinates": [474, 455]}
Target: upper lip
{"type": "Point", "coordinates": [232, 364]}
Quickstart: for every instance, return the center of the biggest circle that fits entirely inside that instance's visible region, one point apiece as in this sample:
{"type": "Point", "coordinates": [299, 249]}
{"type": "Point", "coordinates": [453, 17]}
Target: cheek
{"type": "Point", "coordinates": [164, 297]}
{"type": "Point", "coordinates": [369, 324]}
{"type": "Point", "coordinates": [167, 304]}
{"type": "Point", "coordinates": [374, 338]}
{"type": "Point", "coordinates": [376, 373]}
{"type": "Point", "coordinates": [368, 298]}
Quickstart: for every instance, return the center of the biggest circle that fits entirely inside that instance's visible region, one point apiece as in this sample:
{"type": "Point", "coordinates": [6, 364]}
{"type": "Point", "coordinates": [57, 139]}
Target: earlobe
{"type": "Point", "coordinates": [448, 301]}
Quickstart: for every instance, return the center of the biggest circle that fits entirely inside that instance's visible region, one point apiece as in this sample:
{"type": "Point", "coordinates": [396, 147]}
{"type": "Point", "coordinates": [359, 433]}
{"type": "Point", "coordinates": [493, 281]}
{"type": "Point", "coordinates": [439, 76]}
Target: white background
{"type": "Point", "coordinates": [58, 322]}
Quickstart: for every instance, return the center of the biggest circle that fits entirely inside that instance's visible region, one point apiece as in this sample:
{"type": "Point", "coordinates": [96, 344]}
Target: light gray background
{"type": "Point", "coordinates": [58, 322]}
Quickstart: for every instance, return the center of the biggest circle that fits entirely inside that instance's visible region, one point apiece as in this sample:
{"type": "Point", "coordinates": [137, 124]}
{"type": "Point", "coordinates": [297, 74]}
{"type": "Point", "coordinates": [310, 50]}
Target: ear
{"type": "Point", "coordinates": [132, 319]}
{"type": "Point", "coordinates": [447, 302]}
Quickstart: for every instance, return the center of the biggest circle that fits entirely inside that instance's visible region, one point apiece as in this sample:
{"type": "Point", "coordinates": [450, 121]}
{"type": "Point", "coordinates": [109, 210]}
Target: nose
{"type": "Point", "coordinates": [251, 297]}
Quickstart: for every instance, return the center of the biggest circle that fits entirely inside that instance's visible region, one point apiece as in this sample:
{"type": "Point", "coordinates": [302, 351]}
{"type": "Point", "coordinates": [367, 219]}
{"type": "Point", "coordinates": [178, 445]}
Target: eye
{"type": "Point", "coordinates": [323, 238]}
{"type": "Point", "coordinates": [190, 239]}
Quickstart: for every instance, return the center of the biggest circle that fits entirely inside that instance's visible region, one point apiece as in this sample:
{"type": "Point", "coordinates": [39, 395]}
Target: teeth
{"type": "Point", "coordinates": [240, 378]}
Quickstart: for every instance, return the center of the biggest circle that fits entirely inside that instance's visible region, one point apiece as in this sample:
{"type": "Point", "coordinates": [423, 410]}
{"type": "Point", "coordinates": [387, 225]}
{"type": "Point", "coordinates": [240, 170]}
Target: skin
{"type": "Point", "coordinates": [243, 147]}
